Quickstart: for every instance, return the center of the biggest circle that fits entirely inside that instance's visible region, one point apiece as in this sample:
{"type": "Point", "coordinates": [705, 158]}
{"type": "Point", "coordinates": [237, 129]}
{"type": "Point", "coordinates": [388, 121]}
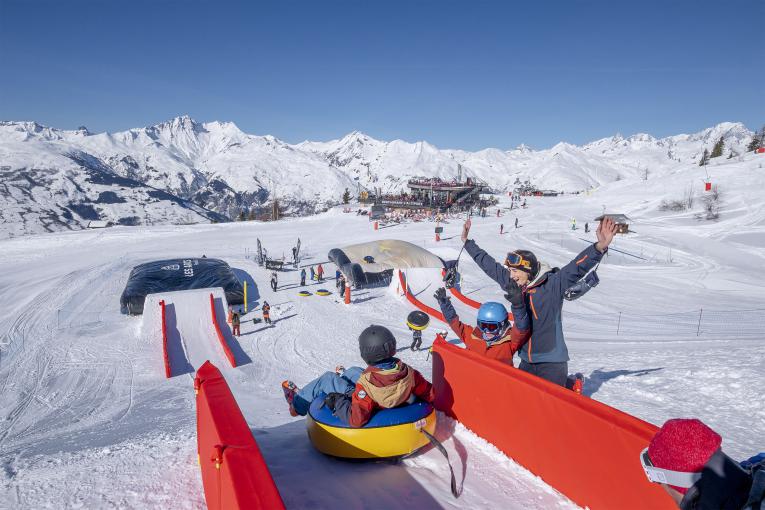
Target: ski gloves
{"type": "Point", "coordinates": [514, 294]}
{"type": "Point", "coordinates": [332, 399]}
{"type": "Point", "coordinates": [440, 295]}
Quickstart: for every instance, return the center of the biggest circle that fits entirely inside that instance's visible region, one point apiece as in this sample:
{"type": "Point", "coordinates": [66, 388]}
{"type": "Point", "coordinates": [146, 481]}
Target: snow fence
{"type": "Point", "coordinates": [234, 473]}
{"type": "Point", "coordinates": [583, 448]}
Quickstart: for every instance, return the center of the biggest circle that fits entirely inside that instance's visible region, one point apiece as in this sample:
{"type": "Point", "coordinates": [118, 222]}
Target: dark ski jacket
{"type": "Point", "coordinates": [544, 300]}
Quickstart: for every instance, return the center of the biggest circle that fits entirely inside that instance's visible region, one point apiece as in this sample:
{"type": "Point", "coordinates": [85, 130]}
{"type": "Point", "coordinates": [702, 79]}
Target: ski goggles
{"type": "Point", "coordinates": [515, 260]}
{"type": "Point", "coordinates": [490, 327]}
{"type": "Point", "coordinates": [667, 476]}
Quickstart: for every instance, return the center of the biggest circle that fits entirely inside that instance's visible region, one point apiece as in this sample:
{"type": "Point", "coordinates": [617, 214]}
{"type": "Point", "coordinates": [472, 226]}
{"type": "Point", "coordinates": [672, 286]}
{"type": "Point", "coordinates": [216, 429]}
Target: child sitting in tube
{"type": "Point", "coordinates": [356, 393]}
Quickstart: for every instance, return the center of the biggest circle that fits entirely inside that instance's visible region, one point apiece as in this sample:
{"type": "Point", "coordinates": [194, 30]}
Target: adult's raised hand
{"type": "Point", "coordinates": [465, 230]}
{"type": "Point", "coordinates": [606, 232]}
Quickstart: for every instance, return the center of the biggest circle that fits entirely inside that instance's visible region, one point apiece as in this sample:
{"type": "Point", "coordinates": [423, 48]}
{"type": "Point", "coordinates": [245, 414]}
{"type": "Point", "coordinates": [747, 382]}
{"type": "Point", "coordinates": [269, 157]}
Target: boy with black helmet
{"type": "Point", "coordinates": [354, 394]}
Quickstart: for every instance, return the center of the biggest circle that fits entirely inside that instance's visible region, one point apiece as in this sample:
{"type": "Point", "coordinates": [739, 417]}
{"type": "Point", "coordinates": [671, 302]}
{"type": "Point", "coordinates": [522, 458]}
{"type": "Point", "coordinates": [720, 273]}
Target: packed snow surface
{"type": "Point", "coordinates": [88, 420]}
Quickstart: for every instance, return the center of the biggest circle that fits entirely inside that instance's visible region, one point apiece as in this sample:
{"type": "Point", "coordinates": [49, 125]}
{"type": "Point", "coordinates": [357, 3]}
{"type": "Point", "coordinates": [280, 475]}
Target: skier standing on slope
{"type": "Point", "coordinates": [492, 336]}
{"type": "Point", "coordinates": [313, 274]}
{"type": "Point", "coordinates": [302, 277]}
{"type": "Point", "coordinates": [320, 273]}
{"type": "Point", "coordinates": [266, 309]}
{"type": "Point", "coordinates": [545, 354]}
{"type": "Point", "coordinates": [356, 393]}
{"type": "Point", "coordinates": [274, 280]}
{"type": "Point", "coordinates": [235, 321]}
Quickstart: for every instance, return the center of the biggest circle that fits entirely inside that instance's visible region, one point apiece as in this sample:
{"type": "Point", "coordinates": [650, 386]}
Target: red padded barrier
{"type": "Point", "coordinates": [221, 338]}
{"type": "Point", "coordinates": [168, 371]}
{"type": "Point", "coordinates": [234, 473]}
{"type": "Point", "coordinates": [585, 449]}
{"type": "Point", "coordinates": [474, 304]}
{"type": "Point", "coordinates": [456, 293]}
{"type": "Point", "coordinates": [416, 302]}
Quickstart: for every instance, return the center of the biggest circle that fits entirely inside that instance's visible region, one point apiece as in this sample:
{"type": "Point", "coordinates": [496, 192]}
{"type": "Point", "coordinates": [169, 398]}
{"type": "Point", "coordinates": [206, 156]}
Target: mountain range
{"type": "Point", "coordinates": [183, 171]}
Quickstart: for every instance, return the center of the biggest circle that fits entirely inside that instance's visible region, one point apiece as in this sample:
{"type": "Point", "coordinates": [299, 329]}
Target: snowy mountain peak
{"type": "Point", "coordinates": [523, 149]}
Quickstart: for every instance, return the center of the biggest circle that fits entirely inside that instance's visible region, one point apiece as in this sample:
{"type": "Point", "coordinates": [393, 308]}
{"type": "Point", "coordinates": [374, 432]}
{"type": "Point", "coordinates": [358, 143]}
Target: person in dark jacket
{"type": "Point", "coordinates": [686, 459]}
{"type": "Point", "coordinates": [545, 354]}
{"type": "Point", "coordinates": [492, 336]}
{"type": "Point", "coordinates": [302, 277]}
{"type": "Point", "coordinates": [235, 322]}
{"type": "Point", "coordinates": [355, 394]}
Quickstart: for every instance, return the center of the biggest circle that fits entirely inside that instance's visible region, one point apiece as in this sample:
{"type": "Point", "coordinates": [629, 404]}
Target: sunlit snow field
{"type": "Point", "coordinates": [87, 418]}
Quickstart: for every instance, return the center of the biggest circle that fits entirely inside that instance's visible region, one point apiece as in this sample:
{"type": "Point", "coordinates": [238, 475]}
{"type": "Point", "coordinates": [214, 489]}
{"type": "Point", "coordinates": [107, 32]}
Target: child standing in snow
{"type": "Point", "coordinates": [266, 308]}
{"type": "Point", "coordinates": [313, 274]}
{"type": "Point", "coordinates": [416, 339]}
{"type": "Point", "coordinates": [302, 277]}
{"type": "Point", "coordinates": [320, 273]}
{"type": "Point", "coordinates": [274, 280]}
{"type": "Point", "coordinates": [235, 321]}
{"type": "Point", "coordinates": [355, 394]}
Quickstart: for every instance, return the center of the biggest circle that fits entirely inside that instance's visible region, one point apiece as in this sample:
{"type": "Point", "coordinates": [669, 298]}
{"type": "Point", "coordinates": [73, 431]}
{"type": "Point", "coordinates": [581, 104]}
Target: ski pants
{"type": "Point", "coordinates": [235, 329]}
{"type": "Point", "coordinates": [328, 382]}
{"type": "Point", "coordinates": [556, 373]}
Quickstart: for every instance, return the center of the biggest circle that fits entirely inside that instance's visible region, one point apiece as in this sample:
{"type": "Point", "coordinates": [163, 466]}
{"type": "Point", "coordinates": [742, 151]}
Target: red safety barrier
{"type": "Point", "coordinates": [456, 293]}
{"type": "Point", "coordinates": [583, 448]}
{"type": "Point", "coordinates": [168, 371]}
{"type": "Point", "coordinates": [416, 302]}
{"type": "Point", "coordinates": [224, 344]}
{"type": "Point", "coordinates": [234, 473]}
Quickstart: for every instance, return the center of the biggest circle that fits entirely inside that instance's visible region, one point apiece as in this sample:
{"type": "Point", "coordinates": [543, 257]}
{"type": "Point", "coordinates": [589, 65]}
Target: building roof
{"type": "Point", "coordinates": [617, 217]}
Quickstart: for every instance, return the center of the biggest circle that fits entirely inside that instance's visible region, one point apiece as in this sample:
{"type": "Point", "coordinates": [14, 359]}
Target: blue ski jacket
{"type": "Point", "coordinates": [544, 300]}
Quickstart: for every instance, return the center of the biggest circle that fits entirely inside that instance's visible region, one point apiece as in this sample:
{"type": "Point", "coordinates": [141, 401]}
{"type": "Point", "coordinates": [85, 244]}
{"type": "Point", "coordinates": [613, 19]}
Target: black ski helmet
{"type": "Point", "coordinates": [376, 343]}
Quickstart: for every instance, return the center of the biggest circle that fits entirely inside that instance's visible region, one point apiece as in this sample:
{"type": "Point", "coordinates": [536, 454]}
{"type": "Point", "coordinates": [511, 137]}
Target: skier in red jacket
{"type": "Point", "coordinates": [492, 336]}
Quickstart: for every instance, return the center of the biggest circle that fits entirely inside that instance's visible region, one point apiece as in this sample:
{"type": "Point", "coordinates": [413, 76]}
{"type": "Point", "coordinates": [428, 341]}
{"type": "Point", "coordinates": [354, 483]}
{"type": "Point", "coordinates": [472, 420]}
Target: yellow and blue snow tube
{"type": "Point", "coordinates": [390, 433]}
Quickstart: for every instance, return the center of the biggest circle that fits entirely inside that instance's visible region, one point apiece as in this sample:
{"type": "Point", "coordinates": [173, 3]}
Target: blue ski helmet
{"type": "Point", "coordinates": [492, 321]}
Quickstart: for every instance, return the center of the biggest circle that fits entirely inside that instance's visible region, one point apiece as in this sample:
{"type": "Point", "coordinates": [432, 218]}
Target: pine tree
{"type": "Point", "coordinates": [717, 150]}
{"type": "Point", "coordinates": [346, 196]}
{"type": "Point", "coordinates": [758, 140]}
{"type": "Point", "coordinates": [704, 158]}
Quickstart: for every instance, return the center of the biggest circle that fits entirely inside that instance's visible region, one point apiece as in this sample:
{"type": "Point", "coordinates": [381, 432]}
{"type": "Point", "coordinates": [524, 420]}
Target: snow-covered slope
{"type": "Point", "coordinates": [88, 419]}
{"type": "Point", "coordinates": [219, 168]}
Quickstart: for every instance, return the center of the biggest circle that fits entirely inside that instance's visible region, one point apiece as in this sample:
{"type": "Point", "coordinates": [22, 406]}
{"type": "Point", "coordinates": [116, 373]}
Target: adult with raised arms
{"type": "Point", "coordinates": [545, 353]}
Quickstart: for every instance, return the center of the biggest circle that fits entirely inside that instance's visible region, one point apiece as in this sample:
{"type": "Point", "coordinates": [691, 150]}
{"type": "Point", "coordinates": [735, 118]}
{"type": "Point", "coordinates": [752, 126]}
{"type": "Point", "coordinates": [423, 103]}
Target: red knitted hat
{"type": "Point", "coordinates": [683, 445]}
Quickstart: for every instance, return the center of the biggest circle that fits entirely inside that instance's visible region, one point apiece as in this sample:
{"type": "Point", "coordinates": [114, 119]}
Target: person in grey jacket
{"type": "Point", "coordinates": [545, 354]}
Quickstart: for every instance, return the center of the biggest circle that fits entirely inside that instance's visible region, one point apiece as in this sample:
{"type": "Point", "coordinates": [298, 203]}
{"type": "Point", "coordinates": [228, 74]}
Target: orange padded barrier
{"type": "Point", "coordinates": [234, 473]}
{"type": "Point", "coordinates": [221, 338]}
{"type": "Point", "coordinates": [168, 371]}
{"type": "Point", "coordinates": [583, 448]}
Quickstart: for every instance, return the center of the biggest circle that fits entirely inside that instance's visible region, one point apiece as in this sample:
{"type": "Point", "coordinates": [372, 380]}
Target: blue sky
{"type": "Point", "coordinates": [469, 74]}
